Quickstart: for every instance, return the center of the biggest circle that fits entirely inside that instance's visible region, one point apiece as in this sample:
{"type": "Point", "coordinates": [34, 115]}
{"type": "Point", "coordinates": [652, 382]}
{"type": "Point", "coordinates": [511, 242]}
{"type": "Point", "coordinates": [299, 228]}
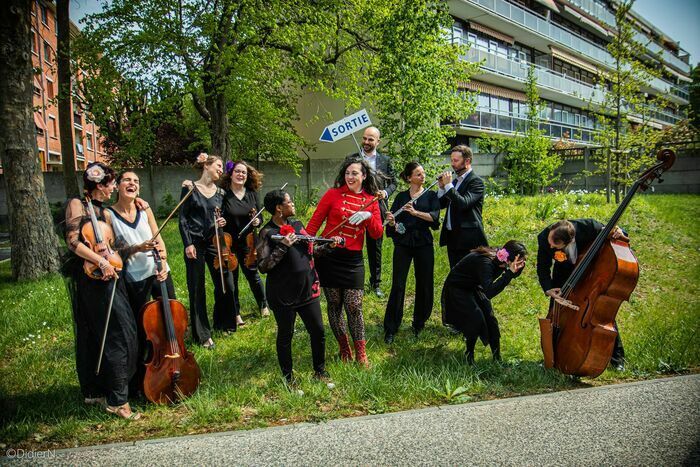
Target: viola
{"type": "Point", "coordinates": [225, 259]}
{"type": "Point", "coordinates": [98, 236]}
{"type": "Point", "coordinates": [172, 372]}
{"type": "Point", "coordinates": [579, 333]}
{"type": "Point", "coordinates": [251, 258]}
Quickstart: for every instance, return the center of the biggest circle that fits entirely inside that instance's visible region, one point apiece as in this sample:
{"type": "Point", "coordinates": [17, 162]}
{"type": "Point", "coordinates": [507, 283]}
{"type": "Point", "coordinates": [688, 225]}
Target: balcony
{"type": "Point", "coordinates": [541, 26]}
{"type": "Point", "coordinates": [666, 55]}
{"type": "Point", "coordinates": [596, 10]}
{"type": "Point", "coordinates": [669, 88]}
{"type": "Point", "coordinates": [545, 77]}
{"type": "Point", "coordinates": [508, 123]}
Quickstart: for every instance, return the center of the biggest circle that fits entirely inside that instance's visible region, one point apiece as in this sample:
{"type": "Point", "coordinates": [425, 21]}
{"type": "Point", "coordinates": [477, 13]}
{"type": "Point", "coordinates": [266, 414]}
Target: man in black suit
{"type": "Point", "coordinates": [561, 243]}
{"type": "Point", "coordinates": [381, 165]}
{"type": "Point", "coordinates": [463, 229]}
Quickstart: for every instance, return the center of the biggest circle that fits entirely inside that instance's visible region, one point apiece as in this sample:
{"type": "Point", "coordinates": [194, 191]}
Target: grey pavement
{"type": "Point", "coordinates": [648, 423]}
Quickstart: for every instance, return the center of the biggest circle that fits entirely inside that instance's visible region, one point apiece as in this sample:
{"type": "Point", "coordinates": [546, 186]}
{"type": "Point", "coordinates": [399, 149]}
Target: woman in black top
{"type": "Point", "coordinates": [241, 183]}
{"type": "Point", "coordinates": [413, 241]}
{"type": "Point", "coordinates": [292, 283]}
{"type": "Point", "coordinates": [469, 288]}
{"type": "Point", "coordinates": [197, 230]}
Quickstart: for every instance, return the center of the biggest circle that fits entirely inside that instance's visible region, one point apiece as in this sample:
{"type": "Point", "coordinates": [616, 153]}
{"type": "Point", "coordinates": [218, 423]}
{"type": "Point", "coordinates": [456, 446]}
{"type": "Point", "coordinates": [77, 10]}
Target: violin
{"type": "Point", "coordinates": [98, 236]}
{"type": "Point", "coordinates": [578, 334]}
{"type": "Point", "coordinates": [225, 259]}
{"type": "Point", "coordinates": [251, 258]}
{"type": "Point", "coordinates": [172, 372]}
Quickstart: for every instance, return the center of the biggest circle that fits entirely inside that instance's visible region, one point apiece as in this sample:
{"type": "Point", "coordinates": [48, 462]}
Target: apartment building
{"type": "Point", "coordinates": [88, 146]}
{"type": "Point", "coordinates": [566, 42]}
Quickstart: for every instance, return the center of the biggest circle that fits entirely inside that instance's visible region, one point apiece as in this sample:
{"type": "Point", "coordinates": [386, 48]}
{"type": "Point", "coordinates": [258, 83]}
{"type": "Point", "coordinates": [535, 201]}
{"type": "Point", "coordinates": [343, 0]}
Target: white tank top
{"type": "Point", "coordinates": [140, 265]}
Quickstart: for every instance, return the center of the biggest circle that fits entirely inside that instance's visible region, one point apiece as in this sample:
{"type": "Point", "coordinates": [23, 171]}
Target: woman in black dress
{"type": "Point", "coordinates": [241, 183]}
{"type": "Point", "coordinates": [197, 230]}
{"type": "Point", "coordinates": [413, 241]}
{"type": "Point", "coordinates": [90, 302]}
{"type": "Point", "coordinates": [292, 283]}
{"type": "Point", "coordinates": [469, 288]}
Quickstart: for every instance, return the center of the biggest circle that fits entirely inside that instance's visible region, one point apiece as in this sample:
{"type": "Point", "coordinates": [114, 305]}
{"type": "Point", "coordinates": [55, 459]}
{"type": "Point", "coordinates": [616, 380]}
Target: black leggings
{"type": "Point", "coordinates": [225, 307]}
{"type": "Point", "coordinates": [311, 316]}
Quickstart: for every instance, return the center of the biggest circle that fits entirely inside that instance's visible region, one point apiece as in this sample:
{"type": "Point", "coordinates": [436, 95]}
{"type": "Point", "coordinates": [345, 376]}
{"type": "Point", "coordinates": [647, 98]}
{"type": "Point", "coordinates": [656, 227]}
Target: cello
{"type": "Point", "coordinates": [579, 333]}
{"type": "Point", "coordinates": [172, 372]}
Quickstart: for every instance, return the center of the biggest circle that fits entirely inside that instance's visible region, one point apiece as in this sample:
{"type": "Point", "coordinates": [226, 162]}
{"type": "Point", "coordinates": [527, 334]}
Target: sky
{"type": "Point", "coordinates": [679, 19]}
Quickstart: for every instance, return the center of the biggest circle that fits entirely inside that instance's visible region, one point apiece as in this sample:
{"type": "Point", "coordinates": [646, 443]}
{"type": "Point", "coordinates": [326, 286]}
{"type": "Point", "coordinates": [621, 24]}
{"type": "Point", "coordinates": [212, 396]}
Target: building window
{"type": "Point", "coordinates": [55, 25]}
{"type": "Point", "coordinates": [50, 93]}
{"type": "Point", "coordinates": [47, 52]}
{"type": "Point", "coordinates": [42, 156]}
{"type": "Point", "coordinates": [53, 128]}
{"type": "Point", "coordinates": [35, 42]}
{"type": "Point", "coordinates": [88, 141]}
{"type": "Point", "coordinates": [37, 89]}
{"type": "Point", "coordinates": [44, 14]}
{"type": "Point", "coordinates": [54, 157]}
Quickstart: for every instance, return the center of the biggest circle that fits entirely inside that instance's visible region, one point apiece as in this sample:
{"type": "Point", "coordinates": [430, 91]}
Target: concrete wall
{"type": "Point", "coordinates": [319, 174]}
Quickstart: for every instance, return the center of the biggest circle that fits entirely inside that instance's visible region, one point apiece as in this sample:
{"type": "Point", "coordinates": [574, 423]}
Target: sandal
{"type": "Point", "coordinates": [102, 401]}
{"type": "Point", "coordinates": [123, 411]}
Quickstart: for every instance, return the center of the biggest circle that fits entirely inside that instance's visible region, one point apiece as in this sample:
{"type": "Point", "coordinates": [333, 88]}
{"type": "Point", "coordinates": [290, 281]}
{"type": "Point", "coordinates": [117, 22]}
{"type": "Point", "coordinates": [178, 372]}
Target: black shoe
{"type": "Point", "coordinates": [416, 331]}
{"type": "Point", "coordinates": [378, 292]}
{"type": "Point", "coordinates": [322, 376]}
{"type": "Point", "coordinates": [618, 365]}
{"type": "Point", "coordinates": [497, 356]}
{"type": "Point", "coordinates": [209, 345]}
{"type": "Point", "coordinates": [470, 357]}
{"type": "Point", "coordinates": [389, 339]}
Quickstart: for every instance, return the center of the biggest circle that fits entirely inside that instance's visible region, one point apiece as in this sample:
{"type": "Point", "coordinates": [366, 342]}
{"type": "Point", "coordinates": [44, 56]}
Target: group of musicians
{"type": "Point", "coordinates": [297, 261]}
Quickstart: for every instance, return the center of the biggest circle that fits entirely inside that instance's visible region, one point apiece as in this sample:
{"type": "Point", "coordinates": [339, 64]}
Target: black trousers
{"type": "Point", "coordinates": [423, 267]}
{"type": "Point", "coordinates": [313, 321]}
{"type": "Point", "coordinates": [251, 275]}
{"type": "Point", "coordinates": [225, 307]}
{"type": "Point", "coordinates": [374, 258]}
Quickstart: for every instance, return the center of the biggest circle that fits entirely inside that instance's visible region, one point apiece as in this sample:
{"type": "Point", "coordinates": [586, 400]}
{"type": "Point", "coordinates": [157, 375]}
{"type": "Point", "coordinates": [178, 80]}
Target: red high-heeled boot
{"type": "Point", "coordinates": [360, 354]}
{"type": "Point", "coordinates": [345, 350]}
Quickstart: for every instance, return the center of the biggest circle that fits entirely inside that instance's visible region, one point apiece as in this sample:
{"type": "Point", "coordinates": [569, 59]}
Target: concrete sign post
{"type": "Point", "coordinates": [347, 126]}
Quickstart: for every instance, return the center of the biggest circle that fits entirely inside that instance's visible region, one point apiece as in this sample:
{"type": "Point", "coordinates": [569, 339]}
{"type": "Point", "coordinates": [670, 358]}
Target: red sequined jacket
{"type": "Point", "coordinates": [338, 204]}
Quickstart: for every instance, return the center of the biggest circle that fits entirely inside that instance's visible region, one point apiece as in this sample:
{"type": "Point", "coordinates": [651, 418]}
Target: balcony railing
{"type": "Point", "coordinates": [545, 77]}
{"type": "Point", "coordinates": [666, 56]}
{"type": "Point", "coordinates": [665, 86]}
{"type": "Point", "coordinates": [550, 30]}
{"type": "Point", "coordinates": [597, 10]}
{"type": "Point", "coordinates": [510, 123]}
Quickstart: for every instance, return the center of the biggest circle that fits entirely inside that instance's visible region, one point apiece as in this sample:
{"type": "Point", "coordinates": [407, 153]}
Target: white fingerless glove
{"type": "Point", "coordinates": [359, 217]}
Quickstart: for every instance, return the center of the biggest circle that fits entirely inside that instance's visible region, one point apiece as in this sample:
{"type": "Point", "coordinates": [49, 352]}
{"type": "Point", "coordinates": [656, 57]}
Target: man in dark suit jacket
{"type": "Point", "coordinates": [381, 164]}
{"type": "Point", "coordinates": [561, 243]}
{"type": "Point", "coordinates": [463, 229]}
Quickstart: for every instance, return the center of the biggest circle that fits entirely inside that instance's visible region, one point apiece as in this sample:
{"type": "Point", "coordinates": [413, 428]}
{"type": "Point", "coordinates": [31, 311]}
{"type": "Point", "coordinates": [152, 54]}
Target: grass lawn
{"type": "Point", "coordinates": [242, 387]}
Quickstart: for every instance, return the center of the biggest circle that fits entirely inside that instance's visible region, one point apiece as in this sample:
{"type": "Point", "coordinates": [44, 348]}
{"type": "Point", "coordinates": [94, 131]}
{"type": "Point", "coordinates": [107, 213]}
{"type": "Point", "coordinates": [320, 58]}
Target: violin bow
{"type": "Point", "coordinates": [247, 226]}
{"type": "Point", "coordinates": [189, 193]}
{"type": "Point", "coordinates": [104, 334]}
{"type": "Point", "coordinates": [218, 253]}
{"type": "Point", "coordinates": [373, 200]}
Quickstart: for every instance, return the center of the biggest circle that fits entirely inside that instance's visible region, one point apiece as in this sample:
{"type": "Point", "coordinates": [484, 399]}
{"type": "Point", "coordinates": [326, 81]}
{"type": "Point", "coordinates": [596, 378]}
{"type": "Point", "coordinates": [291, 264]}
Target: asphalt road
{"type": "Point", "coordinates": [649, 423]}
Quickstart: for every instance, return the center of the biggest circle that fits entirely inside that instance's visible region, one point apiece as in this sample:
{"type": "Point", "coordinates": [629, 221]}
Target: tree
{"type": "Point", "coordinates": [528, 163]}
{"type": "Point", "coordinates": [630, 145]}
{"type": "Point", "coordinates": [65, 93]}
{"type": "Point", "coordinates": [695, 97]}
{"type": "Point", "coordinates": [34, 245]}
{"type": "Point", "coordinates": [245, 64]}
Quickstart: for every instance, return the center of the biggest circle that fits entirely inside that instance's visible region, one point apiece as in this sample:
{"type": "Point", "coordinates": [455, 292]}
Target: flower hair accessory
{"type": "Point", "coordinates": [95, 173]}
{"type": "Point", "coordinates": [286, 229]}
{"type": "Point", "coordinates": [229, 167]}
{"type": "Point", "coordinates": [202, 158]}
{"type": "Point", "coordinates": [502, 255]}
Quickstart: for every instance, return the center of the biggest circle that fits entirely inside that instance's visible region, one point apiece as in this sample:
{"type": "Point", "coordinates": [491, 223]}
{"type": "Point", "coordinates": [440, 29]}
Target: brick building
{"type": "Point", "coordinates": [88, 146]}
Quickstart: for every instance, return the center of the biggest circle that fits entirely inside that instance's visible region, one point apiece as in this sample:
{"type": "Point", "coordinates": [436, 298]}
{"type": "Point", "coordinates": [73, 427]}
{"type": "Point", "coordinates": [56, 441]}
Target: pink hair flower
{"type": "Point", "coordinates": [202, 158]}
{"type": "Point", "coordinates": [502, 255]}
{"type": "Point", "coordinates": [95, 173]}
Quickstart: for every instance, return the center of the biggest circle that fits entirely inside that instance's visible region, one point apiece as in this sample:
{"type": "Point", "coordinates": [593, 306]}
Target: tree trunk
{"type": "Point", "coordinates": [33, 241]}
{"type": "Point", "coordinates": [64, 100]}
{"type": "Point", "coordinates": [215, 101]}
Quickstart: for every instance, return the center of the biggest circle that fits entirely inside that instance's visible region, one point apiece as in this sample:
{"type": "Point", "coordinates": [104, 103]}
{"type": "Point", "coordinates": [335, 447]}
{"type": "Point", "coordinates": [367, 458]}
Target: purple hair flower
{"type": "Point", "coordinates": [229, 167]}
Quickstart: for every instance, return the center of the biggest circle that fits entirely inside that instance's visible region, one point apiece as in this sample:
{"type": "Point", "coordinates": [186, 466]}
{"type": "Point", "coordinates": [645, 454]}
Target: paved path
{"type": "Point", "coordinates": [648, 423]}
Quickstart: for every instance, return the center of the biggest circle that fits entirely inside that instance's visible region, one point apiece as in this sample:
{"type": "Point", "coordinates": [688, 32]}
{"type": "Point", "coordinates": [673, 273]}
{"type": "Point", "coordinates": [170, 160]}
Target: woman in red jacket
{"type": "Point", "coordinates": [342, 272]}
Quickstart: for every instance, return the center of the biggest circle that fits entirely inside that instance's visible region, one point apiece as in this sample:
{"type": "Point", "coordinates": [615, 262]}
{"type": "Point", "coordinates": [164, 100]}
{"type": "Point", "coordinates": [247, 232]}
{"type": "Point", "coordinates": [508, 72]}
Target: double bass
{"type": "Point", "coordinates": [172, 372]}
{"type": "Point", "coordinates": [579, 333]}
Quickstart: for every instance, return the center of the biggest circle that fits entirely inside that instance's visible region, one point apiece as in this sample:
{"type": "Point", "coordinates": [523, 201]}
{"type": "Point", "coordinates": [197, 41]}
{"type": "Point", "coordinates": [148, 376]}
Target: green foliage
{"type": "Point", "coordinates": [241, 384]}
{"type": "Point", "coordinates": [166, 205]}
{"type": "Point", "coordinates": [630, 145]}
{"type": "Point", "coordinates": [695, 96]}
{"type": "Point", "coordinates": [528, 163]}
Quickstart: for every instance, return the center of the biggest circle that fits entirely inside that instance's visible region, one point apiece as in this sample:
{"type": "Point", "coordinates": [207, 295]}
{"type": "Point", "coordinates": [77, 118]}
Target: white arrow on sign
{"type": "Point", "coordinates": [346, 126]}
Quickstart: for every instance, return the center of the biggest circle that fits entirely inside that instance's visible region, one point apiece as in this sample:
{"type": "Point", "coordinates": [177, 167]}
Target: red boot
{"type": "Point", "coordinates": [360, 354]}
{"type": "Point", "coordinates": [345, 350]}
